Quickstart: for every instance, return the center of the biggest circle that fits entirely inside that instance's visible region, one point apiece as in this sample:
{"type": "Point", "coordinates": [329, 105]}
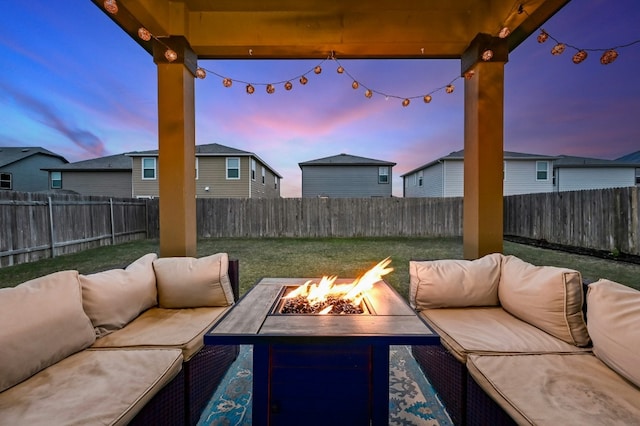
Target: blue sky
{"type": "Point", "coordinates": [71, 81]}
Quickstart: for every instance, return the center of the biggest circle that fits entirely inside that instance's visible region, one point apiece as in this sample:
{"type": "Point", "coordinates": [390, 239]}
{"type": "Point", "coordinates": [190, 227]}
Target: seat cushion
{"type": "Point", "coordinates": [454, 283]}
{"type": "Point", "coordinates": [557, 389]}
{"type": "Point", "coordinates": [548, 297]}
{"type": "Point", "coordinates": [183, 329]}
{"type": "Point", "coordinates": [42, 323]}
{"type": "Point", "coordinates": [113, 298]}
{"type": "Point", "coordinates": [90, 388]}
{"type": "Point", "coordinates": [187, 282]}
{"type": "Point", "coordinates": [490, 330]}
{"type": "Point", "coordinates": [613, 320]}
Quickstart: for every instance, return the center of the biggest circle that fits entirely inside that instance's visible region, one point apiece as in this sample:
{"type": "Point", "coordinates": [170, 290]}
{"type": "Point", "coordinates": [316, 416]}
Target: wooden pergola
{"type": "Point", "coordinates": [351, 29]}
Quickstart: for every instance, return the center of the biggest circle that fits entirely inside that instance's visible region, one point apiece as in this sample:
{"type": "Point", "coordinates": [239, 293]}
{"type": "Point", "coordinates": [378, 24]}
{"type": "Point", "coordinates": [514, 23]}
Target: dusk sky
{"type": "Point", "coordinates": [73, 82]}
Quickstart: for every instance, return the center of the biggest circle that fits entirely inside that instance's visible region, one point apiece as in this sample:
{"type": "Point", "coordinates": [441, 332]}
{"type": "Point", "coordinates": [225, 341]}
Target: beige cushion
{"type": "Point", "coordinates": [490, 330]}
{"type": "Point", "coordinates": [90, 388]}
{"type": "Point", "coordinates": [454, 283]}
{"type": "Point", "coordinates": [186, 282]}
{"type": "Point", "coordinates": [553, 390]}
{"type": "Point", "coordinates": [42, 322]}
{"type": "Point", "coordinates": [613, 320]}
{"type": "Point", "coordinates": [162, 328]}
{"type": "Point", "coordinates": [113, 298]}
{"type": "Point", "coordinates": [547, 297]}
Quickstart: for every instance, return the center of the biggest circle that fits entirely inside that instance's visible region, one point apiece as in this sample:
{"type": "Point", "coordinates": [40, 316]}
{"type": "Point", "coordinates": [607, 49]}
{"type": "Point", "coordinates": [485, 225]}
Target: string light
{"type": "Point", "coordinates": [111, 6]}
{"type": "Point", "coordinates": [608, 56]}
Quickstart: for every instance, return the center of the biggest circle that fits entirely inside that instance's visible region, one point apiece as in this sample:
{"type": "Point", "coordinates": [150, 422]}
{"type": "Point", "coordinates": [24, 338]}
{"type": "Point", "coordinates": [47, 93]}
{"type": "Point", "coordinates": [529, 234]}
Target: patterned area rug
{"type": "Point", "coordinates": [412, 400]}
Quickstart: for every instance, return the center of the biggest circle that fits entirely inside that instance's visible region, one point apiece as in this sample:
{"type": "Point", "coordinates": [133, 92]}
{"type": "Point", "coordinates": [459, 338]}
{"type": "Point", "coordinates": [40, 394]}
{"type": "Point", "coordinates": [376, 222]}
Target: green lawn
{"type": "Point", "coordinates": [314, 257]}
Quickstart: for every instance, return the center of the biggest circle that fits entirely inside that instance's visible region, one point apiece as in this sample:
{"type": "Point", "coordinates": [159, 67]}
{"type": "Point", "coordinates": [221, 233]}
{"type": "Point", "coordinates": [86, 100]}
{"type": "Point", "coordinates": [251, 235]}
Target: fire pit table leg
{"type": "Point", "coordinates": [380, 385]}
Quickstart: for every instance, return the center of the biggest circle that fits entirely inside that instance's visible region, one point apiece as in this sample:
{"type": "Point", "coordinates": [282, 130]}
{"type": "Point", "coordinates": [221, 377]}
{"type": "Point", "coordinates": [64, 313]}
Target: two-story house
{"type": "Point", "coordinates": [22, 168]}
{"type": "Point", "coordinates": [444, 177]}
{"type": "Point", "coordinates": [578, 173]}
{"type": "Point", "coordinates": [346, 176]}
{"type": "Point", "coordinates": [220, 172]}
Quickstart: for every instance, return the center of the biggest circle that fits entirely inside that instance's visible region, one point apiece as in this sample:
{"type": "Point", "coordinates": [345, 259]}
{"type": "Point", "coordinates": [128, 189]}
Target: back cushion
{"type": "Point", "coordinates": [42, 323]}
{"type": "Point", "coordinates": [613, 320]}
{"type": "Point", "coordinates": [547, 297]}
{"type": "Point", "coordinates": [454, 283]}
{"type": "Point", "coordinates": [114, 298]}
{"type": "Point", "coordinates": [187, 282]}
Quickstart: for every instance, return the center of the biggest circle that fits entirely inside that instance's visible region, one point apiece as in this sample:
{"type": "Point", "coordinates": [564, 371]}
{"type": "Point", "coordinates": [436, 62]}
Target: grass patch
{"type": "Point", "coordinates": [314, 257]}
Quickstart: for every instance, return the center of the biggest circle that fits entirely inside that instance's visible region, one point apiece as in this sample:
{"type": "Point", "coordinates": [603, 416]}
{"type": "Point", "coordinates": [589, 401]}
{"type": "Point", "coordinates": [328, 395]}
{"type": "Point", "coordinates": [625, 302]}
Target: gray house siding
{"type": "Point", "coordinates": [344, 182]}
{"type": "Point", "coordinates": [108, 184]}
{"type": "Point", "coordinates": [576, 179]}
{"type": "Point", "coordinates": [26, 174]}
{"type": "Point", "coordinates": [432, 182]}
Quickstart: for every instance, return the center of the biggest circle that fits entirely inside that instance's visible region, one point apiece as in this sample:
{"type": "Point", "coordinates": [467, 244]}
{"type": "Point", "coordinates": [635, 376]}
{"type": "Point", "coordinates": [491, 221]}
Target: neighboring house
{"type": "Point", "coordinates": [220, 172]}
{"type": "Point", "coordinates": [444, 177]}
{"type": "Point", "coordinates": [344, 175]}
{"type": "Point", "coordinates": [578, 173]}
{"type": "Point", "coordinates": [21, 168]}
{"type": "Point", "coordinates": [108, 176]}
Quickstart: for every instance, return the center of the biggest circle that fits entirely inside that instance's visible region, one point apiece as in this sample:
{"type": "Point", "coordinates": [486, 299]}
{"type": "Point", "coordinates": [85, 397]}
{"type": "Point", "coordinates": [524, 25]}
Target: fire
{"type": "Point", "coordinates": [318, 294]}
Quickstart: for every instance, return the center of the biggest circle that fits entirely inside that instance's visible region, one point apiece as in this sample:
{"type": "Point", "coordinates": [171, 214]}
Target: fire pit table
{"type": "Point", "coordinates": [320, 369]}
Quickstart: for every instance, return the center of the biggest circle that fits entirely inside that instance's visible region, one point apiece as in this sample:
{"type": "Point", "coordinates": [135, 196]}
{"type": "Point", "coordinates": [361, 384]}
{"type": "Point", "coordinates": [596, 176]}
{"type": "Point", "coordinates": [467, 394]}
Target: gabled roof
{"type": "Point", "coordinates": [459, 156]}
{"type": "Point", "coordinates": [346, 160]}
{"type": "Point", "coordinates": [634, 157]}
{"type": "Point", "coordinates": [568, 161]}
{"type": "Point", "coordinates": [110, 163]}
{"type": "Point", "coordinates": [12, 154]}
{"type": "Point", "coordinates": [210, 150]}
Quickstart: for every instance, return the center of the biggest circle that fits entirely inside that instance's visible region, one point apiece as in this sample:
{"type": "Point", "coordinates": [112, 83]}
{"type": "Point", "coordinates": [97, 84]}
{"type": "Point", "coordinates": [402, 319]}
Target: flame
{"type": "Point", "coordinates": [353, 292]}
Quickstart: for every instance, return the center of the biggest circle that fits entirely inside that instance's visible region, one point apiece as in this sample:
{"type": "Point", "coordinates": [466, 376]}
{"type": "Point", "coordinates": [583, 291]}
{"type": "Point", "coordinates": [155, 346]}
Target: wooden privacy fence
{"type": "Point", "coordinates": [35, 226]}
{"type": "Point", "coordinates": [603, 219]}
{"type": "Point", "coordinates": [324, 217]}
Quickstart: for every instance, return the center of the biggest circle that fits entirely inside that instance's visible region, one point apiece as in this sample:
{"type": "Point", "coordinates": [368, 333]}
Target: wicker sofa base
{"type": "Point", "coordinates": [166, 407]}
{"type": "Point", "coordinates": [448, 376]}
{"type": "Point", "coordinates": [203, 374]}
{"type": "Point", "coordinates": [482, 410]}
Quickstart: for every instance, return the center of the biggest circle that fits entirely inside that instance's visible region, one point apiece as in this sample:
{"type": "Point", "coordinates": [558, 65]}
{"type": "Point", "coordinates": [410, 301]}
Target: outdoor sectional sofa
{"type": "Point", "coordinates": [517, 347]}
{"type": "Point", "coordinates": [123, 346]}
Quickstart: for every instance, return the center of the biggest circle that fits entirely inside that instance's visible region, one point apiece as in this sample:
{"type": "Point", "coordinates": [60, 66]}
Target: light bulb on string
{"type": "Point", "coordinates": [340, 69]}
{"type": "Point", "coordinates": [449, 88]}
{"type": "Point", "coordinates": [171, 55]}
{"type": "Point", "coordinates": [469, 74]}
{"type": "Point", "coordinates": [200, 73]}
{"type": "Point", "coordinates": [288, 85]}
{"type": "Point", "coordinates": [144, 34]}
{"type": "Point", "coordinates": [368, 93]}
{"type": "Point", "coordinates": [270, 88]}
{"type": "Point", "coordinates": [406, 102]}
{"type": "Point", "coordinates": [608, 57]}
{"type": "Point", "coordinates": [487, 55]}
{"type": "Point", "coordinates": [504, 32]}
{"type": "Point", "coordinates": [227, 82]}
{"type": "Point", "coordinates": [303, 80]}
{"type": "Point", "coordinates": [317, 69]}
{"type": "Point", "coordinates": [580, 56]}
{"type": "Point", "coordinates": [543, 36]}
{"type": "Point", "coordinates": [558, 49]}
{"type": "Point", "coordinates": [355, 84]}
{"type": "Point", "coordinates": [111, 6]}
{"type": "Point", "coordinates": [250, 89]}
{"type": "Point", "coordinates": [427, 99]}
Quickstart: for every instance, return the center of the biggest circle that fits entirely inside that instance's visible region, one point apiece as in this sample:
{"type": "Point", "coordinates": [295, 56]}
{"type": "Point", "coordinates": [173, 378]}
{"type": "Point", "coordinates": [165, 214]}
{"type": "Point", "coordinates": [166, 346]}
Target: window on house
{"type": "Point", "coordinates": [504, 170]}
{"type": "Point", "coordinates": [5, 181]}
{"type": "Point", "coordinates": [638, 176]}
{"type": "Point", "coordinates": [263, 176]}
{"type": "Point", "coordinates": [149, 168]}
{"type": "Point", "coordinates": [542, 170]}
{"type": "Point", "coordinates": [197, 167]}
{"type": "Point", "coordinates": [415, 179]}
{"type": "Point", "coordinates": [383, 175]}
{"type": "Point", "coordinates": [233, 168]}
{"type": "Point", "coordinates": [253, 169]}
{"type": "Point", "coordinates": [420, 178]}
{"type": "Point", "coordinates": [56, 180]}
{"type": "Point", "coordinates": [275, 182]}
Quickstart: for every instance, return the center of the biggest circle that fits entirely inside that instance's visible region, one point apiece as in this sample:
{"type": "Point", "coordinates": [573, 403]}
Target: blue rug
{"type": "Point", "coordinates": [412, 400]}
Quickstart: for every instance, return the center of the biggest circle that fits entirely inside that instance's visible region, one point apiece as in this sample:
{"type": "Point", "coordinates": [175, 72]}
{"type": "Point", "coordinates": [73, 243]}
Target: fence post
{"type": "Point", "coordinates": [113, 226]}
{"type": "Point", "coordinates": [53, 245]}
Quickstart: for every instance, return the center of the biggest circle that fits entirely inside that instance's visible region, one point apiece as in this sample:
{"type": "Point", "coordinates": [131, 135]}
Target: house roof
{"type": "Point", "coordinates": [633, 157]}
{"type": "Point", "coordinates": [210, 150]}
{"type": "Point", "coordinates": [12, 154]}
{"type": "Point", "coordinates": [110, 163]}
{"type": "Point", "coordinates": [568, 161]}
{"type": "Point", "coordinates": [459, 156]}
{"type": "Point", "coordinates": [346, 160]}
